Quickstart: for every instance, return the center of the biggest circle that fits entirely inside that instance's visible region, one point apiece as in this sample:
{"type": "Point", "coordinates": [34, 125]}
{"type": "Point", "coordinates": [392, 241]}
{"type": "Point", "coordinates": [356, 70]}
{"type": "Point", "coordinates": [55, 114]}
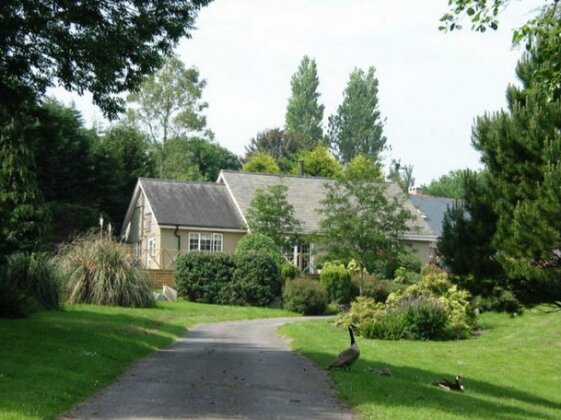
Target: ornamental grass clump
{"type": "Point", "coordinates": [101, 271]}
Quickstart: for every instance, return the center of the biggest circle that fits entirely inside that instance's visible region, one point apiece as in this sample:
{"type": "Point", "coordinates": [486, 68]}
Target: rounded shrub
{"type": "Point", "coordinates": [204, 277]}
{"type": "Point", "coordinates": [372, 287]}
{"type": "Point", "coordinates": [36, 275]}
{"type": "Point", "coordinates": [337, 282]}
{"type": "Point", "coordinates": [256, 279]}
{"type": "Point", "coordinates": [101, 271]}
{"type": "Point", "coordinates": [13, 302]}
{"type": "Point", "coordinates": [289, 271]}
{"type": "Point", "coordinates": [259, 243]}
{"type": "Point", "coordinates": [305, 296]}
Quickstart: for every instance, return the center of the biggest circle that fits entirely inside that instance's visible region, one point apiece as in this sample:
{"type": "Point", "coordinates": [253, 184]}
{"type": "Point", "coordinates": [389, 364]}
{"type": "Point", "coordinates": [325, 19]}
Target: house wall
{"type": "Point", "coordinates": [422, 249]}
{"type": "Point", "coordinates": [167, 244]}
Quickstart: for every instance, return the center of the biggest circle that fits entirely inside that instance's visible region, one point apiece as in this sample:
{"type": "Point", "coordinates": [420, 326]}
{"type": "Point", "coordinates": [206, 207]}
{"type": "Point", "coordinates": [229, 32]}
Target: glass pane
{"type": "Point", "coordinates": [206, 242]}
{"type": "Point", "coordinates": [193, 242]}
{"type": "Point", "coordinates": [217, 242]}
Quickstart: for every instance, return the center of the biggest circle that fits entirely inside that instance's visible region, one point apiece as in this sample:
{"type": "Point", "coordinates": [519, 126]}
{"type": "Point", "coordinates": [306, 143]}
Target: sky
{"type": "Point", "coordinates": [432, 85]}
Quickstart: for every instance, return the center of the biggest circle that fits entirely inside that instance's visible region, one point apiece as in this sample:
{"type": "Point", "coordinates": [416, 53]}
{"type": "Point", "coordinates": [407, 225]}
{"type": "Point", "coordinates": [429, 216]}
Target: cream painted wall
{"type": "Point", "coordinates": [423, 250]}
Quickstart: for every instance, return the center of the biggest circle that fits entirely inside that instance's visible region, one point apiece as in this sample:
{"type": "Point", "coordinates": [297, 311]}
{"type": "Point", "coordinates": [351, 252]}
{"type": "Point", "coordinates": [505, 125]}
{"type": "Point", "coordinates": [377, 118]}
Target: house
{"type": "Point", "coordinates": [432, 209]}
{"type": "Point", "coordinates": [167, 218]}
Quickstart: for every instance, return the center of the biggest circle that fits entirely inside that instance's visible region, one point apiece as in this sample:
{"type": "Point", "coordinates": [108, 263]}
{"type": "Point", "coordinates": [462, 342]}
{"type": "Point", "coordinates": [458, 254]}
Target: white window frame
{"type": "Point", "coordinates": [137, 249]}
{"type": "Point", "coordinates": [215, 238]}
{"type": "Point", "coordinates": [150, 250]}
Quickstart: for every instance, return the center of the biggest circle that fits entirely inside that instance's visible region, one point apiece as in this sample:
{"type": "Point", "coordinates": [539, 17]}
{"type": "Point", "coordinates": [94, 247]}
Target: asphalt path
{"type": "Point", "coordinates": [225, 370]}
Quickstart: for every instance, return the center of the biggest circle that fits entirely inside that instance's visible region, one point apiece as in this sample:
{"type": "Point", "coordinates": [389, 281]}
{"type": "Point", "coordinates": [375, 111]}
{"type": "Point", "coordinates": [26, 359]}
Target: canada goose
{"type": "Point", "coordinates": [450, 386]}
{"type": "Point", "coordinates": [347, 357]}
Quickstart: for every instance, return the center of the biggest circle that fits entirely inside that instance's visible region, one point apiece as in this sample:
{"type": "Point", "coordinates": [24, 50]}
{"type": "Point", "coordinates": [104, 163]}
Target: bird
{"type": "Point", "coordinates": [347, 357]}
{"type": "Point", "coordinates": [451, 386]}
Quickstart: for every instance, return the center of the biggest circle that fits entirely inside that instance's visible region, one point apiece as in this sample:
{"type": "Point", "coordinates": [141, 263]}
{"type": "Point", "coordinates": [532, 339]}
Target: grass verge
{"type": "Point", "coordinates": [55, 359]}
{"type": "Point", "coordinates": [511, 371]}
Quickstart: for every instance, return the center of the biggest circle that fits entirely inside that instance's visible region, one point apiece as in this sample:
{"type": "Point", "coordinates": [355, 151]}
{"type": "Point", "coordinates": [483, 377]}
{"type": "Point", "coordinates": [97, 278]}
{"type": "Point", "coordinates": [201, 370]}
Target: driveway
{"type": "Point", "coordinates": [226, 370]}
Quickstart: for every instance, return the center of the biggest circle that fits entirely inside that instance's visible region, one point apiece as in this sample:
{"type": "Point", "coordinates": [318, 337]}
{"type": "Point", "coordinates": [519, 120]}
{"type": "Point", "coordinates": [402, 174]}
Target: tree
{"type": "Point", "coordinates": [317, 162]}
{"type": "Point", "coordinates": [281, 146]}
{"type": "Point", "coordinates": [362, 221]}
{"type": "Point", "coordinates": [402, 175]}
{"type": "Point", "coordinates": [304, 114]}
{"type": "Point", "coordinates": [211, 158]}
{"type": "Point", "coordinates": [357, 127]}
{"type": "Point", "coordinates": [104, 47]}
{"type": "Point", "coordinates": [168, 102]}
{"type": "Point", "coordinates": [363, 168]}
{"type": "Point", "coordinates": [450, 185]}
{"type": "Point", "coordinates": [174, 161]}
{"type": "Point", "coordinates": [261, 162]}
{"type": "Point", "coordinates": [271, 214]}
{"type": "Point", "coordinates": [541, 34]}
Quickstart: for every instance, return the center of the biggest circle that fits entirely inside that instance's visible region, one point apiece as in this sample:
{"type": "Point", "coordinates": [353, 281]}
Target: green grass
{"type": "Point", "coordinates": [511, 371]}
{"type": "Point", "coordinates": [55, 359]}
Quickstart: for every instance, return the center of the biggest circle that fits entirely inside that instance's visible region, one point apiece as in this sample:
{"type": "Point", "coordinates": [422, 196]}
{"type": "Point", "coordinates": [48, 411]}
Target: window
{"type": "Point", "coordinates": [137, 249]}
{"type": "Point", "coordinates": [151, 245]}
{"type": "Point", "coordinates": [206, 242]}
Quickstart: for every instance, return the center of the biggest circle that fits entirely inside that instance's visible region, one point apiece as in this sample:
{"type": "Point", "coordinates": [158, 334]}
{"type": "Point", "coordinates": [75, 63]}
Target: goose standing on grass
{"type": "Point", "coordinates": [347, 357]}
{"type": "Point", "coordinates": [451, 386]}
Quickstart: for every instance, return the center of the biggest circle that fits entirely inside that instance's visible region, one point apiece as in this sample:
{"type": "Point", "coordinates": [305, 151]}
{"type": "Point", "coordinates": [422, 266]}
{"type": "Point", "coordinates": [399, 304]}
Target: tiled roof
{"type": "Point", "coordinates": [304, 193]}
{"type": "Point", "coordinates": [433, 209]}
{"type": "Point", "coordinates": [199, 204]}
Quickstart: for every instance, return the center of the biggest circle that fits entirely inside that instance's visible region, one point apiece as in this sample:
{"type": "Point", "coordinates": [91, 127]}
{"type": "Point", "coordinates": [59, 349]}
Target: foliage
{"type": "Point", "coordinates": [192, 159]}
{"type": "Point", "coordinates": [37, 276]}
{"type": "Point", "coordinates": [337, 282]}
{"type": "Point", "coordinates": [277, 143]}
{"type": "Point", "coordinates": [373, 287]}
{"type": "Point", "coordinates": [362, 221]}
{"type": "Point", "coordinates": [101, 271]}
{"type": "Point", "coordinates": [168, 102]}
{"type": "Point", "coordinates": [304, 114]}
{"type": "Point", "coordinates": [434, 309]}
{"type": "Point", "coordinates": [289, 271]}
{"type": "Point", "coordinates": [540, 33]}
{"type": "Point", "coordinates": [450, 185]}
{"type": "Point", "coordinates": [25, 220]}
{"type": "Point", "coordinates": [204, 277]}
{"type": "Point", "coordinates": [401, 175]}
{"type": "Point", "coordinates": [256, 280]}
{"type": "Point", "coordinates": [357, 127]}
{"type": "Point", "coordinates": [61, 43]}
{"type": "Point", "coordinates": [13, 302]}
{"type": "Point", "coordinates": [261, 162]}
{"type": "Point", "coordinates": [519, 207]}
{"type": "Point", "coordinates": [363, 168]}
{"type": "Point", "coordinates": [305, 296]}
{"type": "Point", "coordinates": [258, 243]}
{"type": "Point", "coordinates": [501, 300]}
{"type": "Point", "coordinates": [317, 162]}
{"type": "Point", "coordinates": [272, 215]}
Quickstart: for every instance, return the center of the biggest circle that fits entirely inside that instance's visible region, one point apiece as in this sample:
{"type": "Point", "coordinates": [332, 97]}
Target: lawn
{"type": "Point", "coordinates": [55, 359]}
{"type": "Point", "coordinates": [511, 371]}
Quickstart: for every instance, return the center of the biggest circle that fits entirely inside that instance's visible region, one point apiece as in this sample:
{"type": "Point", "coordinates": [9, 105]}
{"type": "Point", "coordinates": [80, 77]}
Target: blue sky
{"type": "Point", "coordinates": [432, 84]}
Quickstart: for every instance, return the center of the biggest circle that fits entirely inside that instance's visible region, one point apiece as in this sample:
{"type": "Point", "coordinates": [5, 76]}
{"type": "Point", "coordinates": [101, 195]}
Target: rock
{"type": "Point", "coordinates": [158, 296]}
{"type": "Point", "coordinates": [169, 293]}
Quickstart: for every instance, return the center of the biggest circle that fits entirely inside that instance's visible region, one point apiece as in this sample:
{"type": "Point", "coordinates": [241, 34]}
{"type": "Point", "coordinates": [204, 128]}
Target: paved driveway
{"type": "Point", "coordinates": [226, 370]}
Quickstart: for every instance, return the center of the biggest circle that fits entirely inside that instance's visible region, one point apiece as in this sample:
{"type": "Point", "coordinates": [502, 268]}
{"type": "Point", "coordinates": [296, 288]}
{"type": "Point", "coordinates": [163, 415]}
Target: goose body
{"type": "Point", "coordinates": [450, 386]}
{"type": "Point", "coordinates": [347, 357]}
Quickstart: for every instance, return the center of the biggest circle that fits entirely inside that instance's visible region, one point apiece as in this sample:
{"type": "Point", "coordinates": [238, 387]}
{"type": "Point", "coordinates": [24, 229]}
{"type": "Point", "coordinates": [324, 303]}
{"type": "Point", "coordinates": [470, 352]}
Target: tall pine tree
{"type": "Point", "coordinates": [304, 114]}
{"type": "Point", "coordinates": [357, 127]}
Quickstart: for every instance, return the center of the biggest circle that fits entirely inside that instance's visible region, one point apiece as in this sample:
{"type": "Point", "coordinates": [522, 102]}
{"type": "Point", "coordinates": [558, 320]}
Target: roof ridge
{"type": "Point", "coordinates": [177, 181]}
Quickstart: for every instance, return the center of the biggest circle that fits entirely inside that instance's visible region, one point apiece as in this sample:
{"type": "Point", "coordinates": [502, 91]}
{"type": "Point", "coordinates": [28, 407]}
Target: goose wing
{"type": "Point", "coordinates": [346, 357]}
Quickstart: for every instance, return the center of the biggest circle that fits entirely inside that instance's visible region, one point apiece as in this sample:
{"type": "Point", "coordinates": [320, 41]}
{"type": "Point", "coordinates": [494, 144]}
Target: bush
{"type": "Point", "coordinates": [305, 296]}
{"type": "Point", "coordinates": [101, 271]}
{"type": "Point", "coordinates": [372, 287]}
{"type": "Point", "coordinates": [37, 276]}
{"type": "Point", "coordinates": [337, 282]}
{"type": "Point", "coordinates": [259, 243]}
{"type": "Point", "coordinates": [289, 271]}
{"type": "Point", "coordinates": [13, 302]}
{"type": "Point", "coordinates": [502, 300]}
{"type": "Point", "coordinates": [386, 268]}
{"type": "Point", "coordinates": [204, 277]}
{"type": "Point", "coordinates": [434, 309]}
{"type": "Point", "coordinates": [256, 279]}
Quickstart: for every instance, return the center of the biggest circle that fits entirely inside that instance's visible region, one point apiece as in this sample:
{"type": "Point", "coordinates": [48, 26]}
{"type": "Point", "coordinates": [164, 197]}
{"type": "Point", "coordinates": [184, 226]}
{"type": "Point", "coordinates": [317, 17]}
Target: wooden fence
{"type": "Point", "coordinates": [161, 277]}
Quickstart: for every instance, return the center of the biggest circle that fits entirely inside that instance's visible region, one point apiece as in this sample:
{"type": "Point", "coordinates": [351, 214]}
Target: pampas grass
{"type": "Point", "coordinates": [101, 271]}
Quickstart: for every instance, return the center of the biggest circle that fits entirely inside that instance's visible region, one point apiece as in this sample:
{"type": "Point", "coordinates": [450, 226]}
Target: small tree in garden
{"type": "Point", "coordinates": [272, 215]}
{"type": "Point", "coordinates": [261, 162]}
{"type": "Point", "coordinates": [361, 221]}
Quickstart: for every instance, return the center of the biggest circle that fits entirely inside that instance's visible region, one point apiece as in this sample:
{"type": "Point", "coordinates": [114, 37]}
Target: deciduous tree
{"type": "Point", "coordinates": [261, 162]}
{"type": "Point", "coordinates": [317, 162]}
